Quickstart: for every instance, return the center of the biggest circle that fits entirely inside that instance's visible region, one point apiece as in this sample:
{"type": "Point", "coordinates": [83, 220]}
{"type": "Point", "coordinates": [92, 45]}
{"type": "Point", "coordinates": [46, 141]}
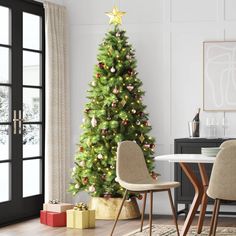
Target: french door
{"type": "Point", "coordinates": [21, 109]}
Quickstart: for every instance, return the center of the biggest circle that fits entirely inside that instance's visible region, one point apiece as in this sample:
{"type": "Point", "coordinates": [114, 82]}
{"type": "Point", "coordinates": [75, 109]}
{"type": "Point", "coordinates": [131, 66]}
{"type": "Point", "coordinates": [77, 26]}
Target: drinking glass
{"type": "Point", "coordinates": [211, 124]}
{"type": "Point", "coordinates": [225, 125]}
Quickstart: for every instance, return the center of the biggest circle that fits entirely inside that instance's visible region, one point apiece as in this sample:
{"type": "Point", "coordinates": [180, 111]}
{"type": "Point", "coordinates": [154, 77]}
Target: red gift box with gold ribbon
{"type": "Point", "coordinates": [54, 219]}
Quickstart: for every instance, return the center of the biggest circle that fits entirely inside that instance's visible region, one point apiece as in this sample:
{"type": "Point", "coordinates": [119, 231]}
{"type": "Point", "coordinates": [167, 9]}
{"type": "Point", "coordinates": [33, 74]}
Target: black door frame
{"type": "Point", "coordinates": [19, 208]}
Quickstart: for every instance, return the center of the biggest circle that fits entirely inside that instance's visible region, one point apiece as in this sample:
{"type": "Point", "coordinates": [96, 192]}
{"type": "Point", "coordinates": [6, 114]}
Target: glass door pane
{"type": "Point", "coordinates": [31, 68]}
{"type": "Point", "coordinates": [4, 25]}
{"type": "Point", "coordinates": [31, 177]}
{"type": "Point", "coordinates": [4, 103]}
{"type": "Point", "coordinates": [31, 140]}
{"type": "Point", "coordinates": [5, 182]}
{"type": "Point", "coordinates": [5, 133]}
{"type": "Point", "coordinates": [31, 31]}
{"type": "Point", "coordinates": [4, 64]}
{"type": "Point", "coordinates": [31, 104]}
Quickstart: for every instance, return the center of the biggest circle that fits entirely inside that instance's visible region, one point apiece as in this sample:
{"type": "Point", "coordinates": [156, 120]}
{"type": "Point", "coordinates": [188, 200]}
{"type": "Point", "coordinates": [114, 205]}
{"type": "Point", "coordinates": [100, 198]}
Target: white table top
{"type": "Point", "coordinates": [186, 158]}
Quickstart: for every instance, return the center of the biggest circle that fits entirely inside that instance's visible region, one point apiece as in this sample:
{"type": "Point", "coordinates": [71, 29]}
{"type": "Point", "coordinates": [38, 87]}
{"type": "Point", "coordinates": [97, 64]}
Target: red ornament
{"type": "Point", "coordinates": [140, 197]}
{"type": "Point", "coordinates": [98, 75]}
{"type": "Point", "coordinates": [113, 104]}
{"type": "Point", "coordinates": [81, 149]}
{"type": "Point", "coordinates": [104, 131]}
{"type": "Point", "coordinates": [85, 180]}
{"type": "Point", "coordinates": [152, 145]}
{"type": "Point", "coordinates": [124, 122]}
{"type": "Point", "coordinates": [130, 71]}
{"type": "Point", "coordinates": [101, 65]}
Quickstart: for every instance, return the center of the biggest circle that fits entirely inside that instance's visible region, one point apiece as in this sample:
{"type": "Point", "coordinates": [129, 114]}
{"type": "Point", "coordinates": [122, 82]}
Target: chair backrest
{"type": "Point", "coordinates": [222, 183]}
{"type": "Point", "coordinates": [228, 143]}
{"type": "Point", "coordinates": [130, 164]}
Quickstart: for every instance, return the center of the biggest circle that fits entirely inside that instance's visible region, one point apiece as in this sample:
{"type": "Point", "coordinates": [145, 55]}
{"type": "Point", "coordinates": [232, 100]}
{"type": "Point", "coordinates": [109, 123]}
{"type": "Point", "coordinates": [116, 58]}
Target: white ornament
{"type": "Point", "coordinates": [82, 164]}
{"type": "Point", "coordinates": [83, 120]}
{"type": "Point", "coordinates": [128, 56]}
{"type": "Point", "coordinates": [93, 83]}
{"type": "Point", "coordinates": [100, 156]}
{"type": "Point", "coordinates": [77, 186]}
{"type": "Point", "coordinates": [91, 189]}
{"type": "Point", "coordinates": [115, 90]}
{"type": "Point", "coordinates": [113, 70]}
{"type": "Point", "coordinates": [130, 87]}
{"type": "Point", "coordinates": [74, 169]}
{"type": "Point", "coordinates": [94, 122]}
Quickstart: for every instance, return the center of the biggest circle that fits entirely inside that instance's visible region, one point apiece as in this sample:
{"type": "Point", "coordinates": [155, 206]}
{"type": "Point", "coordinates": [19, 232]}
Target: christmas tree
{"type": "Point", "coordinates": [114, 113]}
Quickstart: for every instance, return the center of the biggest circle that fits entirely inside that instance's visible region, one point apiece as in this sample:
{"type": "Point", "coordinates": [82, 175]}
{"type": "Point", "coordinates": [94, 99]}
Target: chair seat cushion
{"type": "Point", "coordinates": [150, 184]}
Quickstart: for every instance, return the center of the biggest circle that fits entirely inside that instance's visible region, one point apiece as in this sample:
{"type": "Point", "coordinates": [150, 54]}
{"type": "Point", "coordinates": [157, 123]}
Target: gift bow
{"type": "Point", "coordinates": [54, 201]}
{"type": "Point", "coordinates": [81, 206]}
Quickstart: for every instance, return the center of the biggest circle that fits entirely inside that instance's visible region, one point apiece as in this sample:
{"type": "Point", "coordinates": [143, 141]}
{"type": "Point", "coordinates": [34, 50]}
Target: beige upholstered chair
{"type": "Point", "coordinates": [133, 175]}
{"type": "Point", "coordinates": [228, 143]}
{"type": "Point", "coordinates": [222, 181]}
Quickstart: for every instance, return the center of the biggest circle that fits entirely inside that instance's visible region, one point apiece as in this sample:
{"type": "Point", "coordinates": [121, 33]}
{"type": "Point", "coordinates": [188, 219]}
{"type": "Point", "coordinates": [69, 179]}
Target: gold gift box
{"type": "Point", "coordinates": [59, 207]}
{"type": "Point", "coordinates": [80, 219]}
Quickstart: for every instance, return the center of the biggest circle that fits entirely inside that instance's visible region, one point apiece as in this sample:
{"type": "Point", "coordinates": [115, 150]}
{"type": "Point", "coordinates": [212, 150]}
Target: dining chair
{"type": "Point", "coordinates": [133, 175]}
{"type": "Point", "coordinates": [222, 182]}
{"type": "Point", "coordinates": [228, 143]}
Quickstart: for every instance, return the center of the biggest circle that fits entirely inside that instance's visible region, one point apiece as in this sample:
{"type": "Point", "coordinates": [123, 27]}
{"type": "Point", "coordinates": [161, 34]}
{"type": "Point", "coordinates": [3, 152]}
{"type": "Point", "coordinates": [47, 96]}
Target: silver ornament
{"type": "Point", "coordinates": [113, 70]}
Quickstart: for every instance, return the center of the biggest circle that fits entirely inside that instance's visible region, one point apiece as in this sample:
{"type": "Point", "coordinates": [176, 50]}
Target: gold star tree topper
{"type": "Point", "coordinates": [115, 16]}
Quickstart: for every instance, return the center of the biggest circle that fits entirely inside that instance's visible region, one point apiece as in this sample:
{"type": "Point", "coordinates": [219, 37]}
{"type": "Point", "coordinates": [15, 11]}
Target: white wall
{"type": "Point", "coordinates": [167, 36]}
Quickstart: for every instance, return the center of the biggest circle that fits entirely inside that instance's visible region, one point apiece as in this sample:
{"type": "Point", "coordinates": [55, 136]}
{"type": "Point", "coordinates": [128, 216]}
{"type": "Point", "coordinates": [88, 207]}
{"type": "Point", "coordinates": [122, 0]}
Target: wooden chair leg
{"type": "Point", "coordinates": [173, 211]}
{"type": "Point", "coordinates": [143, 211]}
{"type": "Point", "coordinates": [216, 216]}
{"type": "Point", "coordinates": [212, 219]}
{"type": "Point", "coordinates": [117, 217]}
{"type": "Point", "coordinates": [150, 213]}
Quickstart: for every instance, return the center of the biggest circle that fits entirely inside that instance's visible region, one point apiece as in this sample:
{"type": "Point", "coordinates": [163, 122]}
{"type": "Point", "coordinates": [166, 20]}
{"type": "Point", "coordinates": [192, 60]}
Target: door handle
{"type": "Point", "coordinates": [20, 122]}
{"type": "Point", "coordinates": [14, 122]}
{"type": "Point", "coordinates": [19, 119]}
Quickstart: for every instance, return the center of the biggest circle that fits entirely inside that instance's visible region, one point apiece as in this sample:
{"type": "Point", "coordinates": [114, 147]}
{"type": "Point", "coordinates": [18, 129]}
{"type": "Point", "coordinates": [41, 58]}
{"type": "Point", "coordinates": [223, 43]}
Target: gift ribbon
{"type": "Point", "coordinates": [81, 206]}
{"type": "Point", "coordinates": [54, 201]}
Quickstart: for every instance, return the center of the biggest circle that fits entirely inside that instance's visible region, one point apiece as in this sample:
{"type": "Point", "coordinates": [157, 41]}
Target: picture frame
{"type": "Point", "coordinates": [219, 76]}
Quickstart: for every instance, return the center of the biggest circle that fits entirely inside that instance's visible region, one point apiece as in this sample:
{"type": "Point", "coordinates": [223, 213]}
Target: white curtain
{"type": "Point", "coordinates": [57, 152]}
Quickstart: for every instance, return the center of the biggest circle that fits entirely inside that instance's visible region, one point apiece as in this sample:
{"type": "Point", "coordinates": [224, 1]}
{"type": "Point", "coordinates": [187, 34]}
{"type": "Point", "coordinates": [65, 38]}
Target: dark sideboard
{"type": "Point", "coordinates": [184, 194]}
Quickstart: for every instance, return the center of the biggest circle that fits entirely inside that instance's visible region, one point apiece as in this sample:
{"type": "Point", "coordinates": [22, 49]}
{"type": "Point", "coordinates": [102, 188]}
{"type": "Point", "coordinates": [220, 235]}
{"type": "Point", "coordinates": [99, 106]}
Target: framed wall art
{"type": "Point", "coordinates": [219, 76]}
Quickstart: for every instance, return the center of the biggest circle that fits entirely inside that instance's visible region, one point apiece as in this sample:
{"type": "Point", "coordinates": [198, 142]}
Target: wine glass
{"type": "Point", "coordinates": [225, 125]}
{"type": "Point", "coordinates": [211, 124]}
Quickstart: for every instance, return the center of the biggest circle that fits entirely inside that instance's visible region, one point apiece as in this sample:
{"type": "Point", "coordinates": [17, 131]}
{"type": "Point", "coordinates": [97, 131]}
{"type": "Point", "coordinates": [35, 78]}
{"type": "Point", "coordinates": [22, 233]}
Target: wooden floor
{"type": "Point", "coordinates": [103, 228]}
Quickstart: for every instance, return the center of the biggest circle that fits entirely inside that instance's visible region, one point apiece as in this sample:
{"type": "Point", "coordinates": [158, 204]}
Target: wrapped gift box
{"type": "Point", "coordinates": [80, 219]}
{"type": "Point", "coordinates": [54, 219]}
{"type": "Point", "coordinates": [58, 207]}
{"type": "Point", "coordinates": [43, 217]}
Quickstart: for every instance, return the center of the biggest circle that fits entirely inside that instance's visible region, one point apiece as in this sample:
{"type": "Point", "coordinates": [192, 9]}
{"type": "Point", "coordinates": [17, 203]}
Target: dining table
{"type": "Point", "coordinates": [200, 185]}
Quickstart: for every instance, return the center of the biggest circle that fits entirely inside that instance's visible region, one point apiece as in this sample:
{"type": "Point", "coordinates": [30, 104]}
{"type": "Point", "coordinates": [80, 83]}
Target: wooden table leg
{"type": "Point", "coordinates": [205, 182]}
{"type": "Point", "coordinates": [196, 200]}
